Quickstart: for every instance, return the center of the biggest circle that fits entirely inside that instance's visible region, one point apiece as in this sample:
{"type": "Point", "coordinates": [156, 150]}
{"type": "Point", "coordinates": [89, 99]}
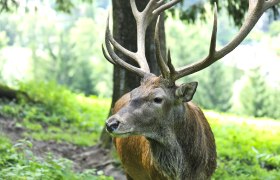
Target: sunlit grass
{"type": "Point", "coordinates": [98, 108]}
{"type": "Point", "coordinates": [266, 124]}
{"type": "Point", "coordinates": [247, 148]}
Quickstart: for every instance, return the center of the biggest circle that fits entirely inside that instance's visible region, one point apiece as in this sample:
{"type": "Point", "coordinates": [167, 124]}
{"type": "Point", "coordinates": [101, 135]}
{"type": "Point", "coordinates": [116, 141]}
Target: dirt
{"type": "Point", "coordinates": [94, 157]}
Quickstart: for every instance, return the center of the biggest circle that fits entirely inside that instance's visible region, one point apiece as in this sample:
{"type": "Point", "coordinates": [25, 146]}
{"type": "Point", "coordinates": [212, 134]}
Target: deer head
{"type": "Point", "coordinates": [156, 106]}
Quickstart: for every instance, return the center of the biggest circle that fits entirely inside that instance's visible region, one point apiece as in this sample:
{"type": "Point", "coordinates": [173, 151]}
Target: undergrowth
{"type": "Point", "coordinates": [17, 162]}
{"type": "Point", "coordinates": [246, 151]}
{"type": "Point", "coordinates": [57, 113]}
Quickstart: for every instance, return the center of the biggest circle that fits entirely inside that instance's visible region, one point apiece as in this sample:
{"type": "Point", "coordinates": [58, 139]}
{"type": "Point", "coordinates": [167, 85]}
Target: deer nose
{"type": "Point", "coordinates": [112, 124]}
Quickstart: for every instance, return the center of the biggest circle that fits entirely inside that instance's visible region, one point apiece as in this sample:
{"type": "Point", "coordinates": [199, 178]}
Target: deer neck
{"type": "Point", "coordinates": [167, 158]}
{"type": "Point", "coordinates": [167, 152]}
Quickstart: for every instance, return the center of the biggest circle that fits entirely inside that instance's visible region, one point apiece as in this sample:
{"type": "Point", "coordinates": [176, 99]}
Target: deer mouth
{"type": "Point", "coordinates": [121, 134]}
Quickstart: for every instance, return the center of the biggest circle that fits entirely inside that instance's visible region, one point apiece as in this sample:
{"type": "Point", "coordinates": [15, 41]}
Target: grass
{"type": "Point", "coordinates": [247, 148]}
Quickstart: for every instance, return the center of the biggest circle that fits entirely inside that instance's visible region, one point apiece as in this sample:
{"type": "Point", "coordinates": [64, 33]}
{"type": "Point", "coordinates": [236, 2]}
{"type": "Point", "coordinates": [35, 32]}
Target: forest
{"type": "Point", "coordinates": [57, 89]}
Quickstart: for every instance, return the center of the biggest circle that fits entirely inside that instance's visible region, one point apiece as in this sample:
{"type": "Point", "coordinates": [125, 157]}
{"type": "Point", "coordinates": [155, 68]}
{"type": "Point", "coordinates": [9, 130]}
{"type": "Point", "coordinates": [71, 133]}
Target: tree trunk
{"type": "Point", "coordinates": [124, 31]}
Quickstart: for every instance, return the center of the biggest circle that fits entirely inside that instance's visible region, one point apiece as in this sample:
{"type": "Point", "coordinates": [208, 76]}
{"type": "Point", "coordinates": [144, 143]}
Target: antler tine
{"type": "Point", "coordinates": [107, 56]}
{"type": "Point", "coordinates": [134, 9]}
{"type": "Point", "coordinates": [117, 45]}
{"type": "Point", "coordinates": [161, 62]}
{"type": "Point", "coordinates": [116, 60]}
{"type": "Point", "coordinates": [212, 48]}
{"type": "Point", "coordinates": [165, 6]}
{"type": "Point", "coordinates": [170, 65]}
{"type": "Point", "coordinates": [121, 48]}
{"type": "Point", "coordinates": [256, 9]}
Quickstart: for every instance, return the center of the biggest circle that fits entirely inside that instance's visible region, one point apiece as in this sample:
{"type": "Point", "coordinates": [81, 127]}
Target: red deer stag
{"type": "Point", "coordinates": [159, 133]}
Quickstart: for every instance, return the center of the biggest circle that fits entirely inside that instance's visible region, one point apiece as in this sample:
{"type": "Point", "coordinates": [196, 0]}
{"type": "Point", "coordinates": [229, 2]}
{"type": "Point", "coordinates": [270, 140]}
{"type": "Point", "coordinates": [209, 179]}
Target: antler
{"type": "Point", "coordinates": [256, 9]}
{"type": "Point", "coordinates": [143, 19]}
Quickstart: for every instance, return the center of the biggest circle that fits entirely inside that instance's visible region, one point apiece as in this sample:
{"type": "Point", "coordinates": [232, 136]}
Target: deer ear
{"type": "Point", "coordinates": [186, 91]}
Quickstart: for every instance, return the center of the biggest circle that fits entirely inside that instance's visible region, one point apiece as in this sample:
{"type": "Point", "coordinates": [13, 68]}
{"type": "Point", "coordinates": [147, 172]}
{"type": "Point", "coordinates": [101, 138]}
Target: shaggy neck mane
{"type": "Point", "coordinates": [185, 153]}
{"type": "Point", "coordinates": [167, 158]}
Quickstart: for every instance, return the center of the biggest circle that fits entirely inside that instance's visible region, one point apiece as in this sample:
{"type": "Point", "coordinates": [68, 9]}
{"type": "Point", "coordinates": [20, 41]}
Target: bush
{"type": "Point", "coordinates": [62, 106]}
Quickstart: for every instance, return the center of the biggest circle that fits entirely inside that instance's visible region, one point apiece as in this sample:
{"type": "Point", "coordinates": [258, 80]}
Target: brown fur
{"type": "Point", "coordinates": [194, 136]}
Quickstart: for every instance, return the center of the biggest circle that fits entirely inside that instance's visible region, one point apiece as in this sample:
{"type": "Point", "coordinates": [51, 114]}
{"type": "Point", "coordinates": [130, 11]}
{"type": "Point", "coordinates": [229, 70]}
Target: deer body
{"type": "Point", "coordinates": [181, 145]}
{"type": "Point", "coordinates": [159, 133]}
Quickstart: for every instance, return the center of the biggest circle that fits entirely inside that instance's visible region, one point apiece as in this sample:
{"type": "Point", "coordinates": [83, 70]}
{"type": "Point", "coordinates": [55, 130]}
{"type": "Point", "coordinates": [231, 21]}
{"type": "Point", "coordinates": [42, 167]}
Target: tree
{"type": "Point", "coordinates": [254, 96]}
{"type": "Point", "coordinates": [274, 106]}
{"type": "Point", "coordinates": [215, 90]}
{"type": "Point", "coordinates": [259, 98]}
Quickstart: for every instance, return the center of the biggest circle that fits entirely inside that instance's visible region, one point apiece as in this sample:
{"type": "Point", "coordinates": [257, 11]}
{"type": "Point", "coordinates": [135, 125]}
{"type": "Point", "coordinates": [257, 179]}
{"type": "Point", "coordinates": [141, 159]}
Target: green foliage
{"type": "Point", "coordinates": [273, 103]}
{"type": "Point", "coordinates": [257, 98]}
{"type": "Point", "coordinates": [8, 5]}
{"type": "Point", "coordinates": [68, 53]}
{"type": "Point", "coordinates": [246, 148]}
{"type": "Point", "coordinates": [193, 36]}
{"type": "Point", "coordinates": [55, 105]}
{"type": "Point", "coordinates": [18, 162]}
{"type": "Point", "coordinates": [274, 38]}
{"type": "Point", "coordinates": [191, 11]}
{"type": "Point", "coordinates": [215, 88]}
{"type": "Point", "coordinates": [274, 29]}
{"type": "Point", "coordinates": [253, 97]}
{"type": "Point", "coordinates": [63, 105]}
{"type": "Point", "coordinates": [3, 39]}
{"type": "Point", "coordinates": [89, 48]}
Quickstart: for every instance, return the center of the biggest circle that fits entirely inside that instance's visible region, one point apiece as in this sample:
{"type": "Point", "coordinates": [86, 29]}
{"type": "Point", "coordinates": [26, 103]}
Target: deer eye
{"type": "Point", "coordinates": [158, 100]}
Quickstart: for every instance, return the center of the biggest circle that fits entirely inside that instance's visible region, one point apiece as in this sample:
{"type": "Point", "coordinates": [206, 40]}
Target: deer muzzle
{"type": "Point", "coordinates": [112, 124]}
